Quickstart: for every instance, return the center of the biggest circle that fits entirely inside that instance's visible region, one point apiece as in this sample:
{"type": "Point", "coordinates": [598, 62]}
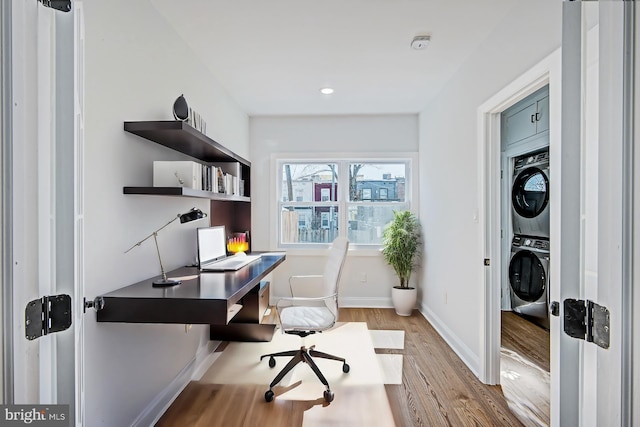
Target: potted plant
{"type": "Point", "coordinates": [401, 243]}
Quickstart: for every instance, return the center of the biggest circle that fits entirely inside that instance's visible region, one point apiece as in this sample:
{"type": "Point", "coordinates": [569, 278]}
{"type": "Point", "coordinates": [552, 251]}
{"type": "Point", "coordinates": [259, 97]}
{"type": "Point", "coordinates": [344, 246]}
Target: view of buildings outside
{"type": "Point", "coordinates": [311, 201]}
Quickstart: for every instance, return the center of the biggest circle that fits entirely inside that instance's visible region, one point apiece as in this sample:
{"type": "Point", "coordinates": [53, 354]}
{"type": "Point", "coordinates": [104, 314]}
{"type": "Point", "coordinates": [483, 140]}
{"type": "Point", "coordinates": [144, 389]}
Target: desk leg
{"type": "Point", "coordinates": [247, 324]}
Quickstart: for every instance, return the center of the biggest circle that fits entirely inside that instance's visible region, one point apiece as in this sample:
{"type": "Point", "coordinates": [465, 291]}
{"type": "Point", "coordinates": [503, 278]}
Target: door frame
{"type": "Point", "coordinates": [629, 210]}
{"type": "Point", "coordinates": [635, 400]}
{"type": "Point", "coordinates": [24, 220]}
{"type": "Point", "coordinates": [46, 201]}
{"type": "Point", "coordinates": [6, 195]}
{"type": "Point", "coordinates": [616, 213]}
{"type": "Point", "coordinates": [545, 72]}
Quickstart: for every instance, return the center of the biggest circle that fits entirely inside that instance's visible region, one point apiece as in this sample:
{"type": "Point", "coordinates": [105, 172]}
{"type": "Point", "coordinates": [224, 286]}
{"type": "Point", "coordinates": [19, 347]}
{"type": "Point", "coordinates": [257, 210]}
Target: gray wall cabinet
{"type": "Point", "coordinates": [527, 118]}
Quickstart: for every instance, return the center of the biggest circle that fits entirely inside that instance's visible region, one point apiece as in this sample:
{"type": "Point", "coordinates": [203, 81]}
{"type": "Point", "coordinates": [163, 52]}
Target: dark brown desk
{"type": "Point", "coordinates": [202, 298]}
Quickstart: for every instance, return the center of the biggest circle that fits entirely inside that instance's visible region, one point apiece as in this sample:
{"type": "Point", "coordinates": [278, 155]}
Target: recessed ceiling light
{"type": "Point", "coordinates": [326, 91]}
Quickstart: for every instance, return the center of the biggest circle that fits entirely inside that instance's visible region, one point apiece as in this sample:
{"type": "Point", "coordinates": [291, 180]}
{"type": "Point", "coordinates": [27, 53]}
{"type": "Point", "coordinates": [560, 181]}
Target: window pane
{"type": "Point", "coordinates": [377, 181]}
{"type": "Point", "coordinates": [309, 224]}
{"type": "Point", "coordinates": [309, 182]}
{"type": "Point", "coordinates": [367, 222]}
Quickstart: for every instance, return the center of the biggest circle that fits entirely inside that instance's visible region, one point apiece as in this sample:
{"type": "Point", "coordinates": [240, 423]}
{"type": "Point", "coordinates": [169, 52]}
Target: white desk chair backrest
{"type": "Point", "coordinates": [333, 266]}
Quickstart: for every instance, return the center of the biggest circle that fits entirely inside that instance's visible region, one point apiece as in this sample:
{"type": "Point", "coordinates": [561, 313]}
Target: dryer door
{"type": "Point", "coordinates": [527, 276]}
{"type": "Point", "coordinates": [530, 193]}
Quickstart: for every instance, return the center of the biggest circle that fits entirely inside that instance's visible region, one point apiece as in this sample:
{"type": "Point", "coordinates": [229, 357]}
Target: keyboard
{"type": "Point", "coordinates": [231, 263]}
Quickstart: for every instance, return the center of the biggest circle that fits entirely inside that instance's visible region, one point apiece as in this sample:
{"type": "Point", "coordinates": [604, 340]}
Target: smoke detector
{"type": "Point", "coordinates": [420, 42]}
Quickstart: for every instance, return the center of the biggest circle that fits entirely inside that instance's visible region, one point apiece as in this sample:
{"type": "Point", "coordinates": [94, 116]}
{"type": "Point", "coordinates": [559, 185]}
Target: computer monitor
{"type": "Point", "coordinates": [212, 243]}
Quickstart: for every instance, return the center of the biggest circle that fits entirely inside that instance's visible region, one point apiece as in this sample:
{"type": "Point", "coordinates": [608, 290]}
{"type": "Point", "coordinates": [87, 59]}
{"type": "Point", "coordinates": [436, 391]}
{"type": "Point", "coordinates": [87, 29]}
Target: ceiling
{"type": "Point", "coordinates": [274, 56]}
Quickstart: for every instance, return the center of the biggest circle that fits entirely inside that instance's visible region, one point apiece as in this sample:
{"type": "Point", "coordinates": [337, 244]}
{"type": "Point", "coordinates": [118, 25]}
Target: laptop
{"type": "Point", "coordinates": [212, 251]}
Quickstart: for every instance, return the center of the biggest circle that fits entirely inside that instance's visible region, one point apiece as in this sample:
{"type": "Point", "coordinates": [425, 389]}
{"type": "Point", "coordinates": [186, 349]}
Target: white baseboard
{"type": "Point", "coordinates": [364, 302]}
{"type": "Point", "coordinates": [468, 357]}
{"type": "Point", "coordinates": [194, 370]}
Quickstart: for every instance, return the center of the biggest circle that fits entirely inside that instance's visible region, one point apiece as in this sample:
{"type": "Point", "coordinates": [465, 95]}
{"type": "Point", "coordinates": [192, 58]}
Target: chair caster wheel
{"type": "Point", "coordinates": [272, 362]}
{"type": "Point", "coordinates": [345, 368]}
{"type": "Point", "coordinates": [269, 395]}
{"type": "Point", "coordinates": [328, 396]}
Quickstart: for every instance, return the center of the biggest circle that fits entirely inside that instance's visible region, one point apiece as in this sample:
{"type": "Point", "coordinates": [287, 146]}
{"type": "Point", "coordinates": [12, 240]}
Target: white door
{"type": "Point", "coordinates": [591, 234]}
{"type": "Point", "coordinates": [44, 220]}
{"type": "Point", "coordinates": [597, 167]}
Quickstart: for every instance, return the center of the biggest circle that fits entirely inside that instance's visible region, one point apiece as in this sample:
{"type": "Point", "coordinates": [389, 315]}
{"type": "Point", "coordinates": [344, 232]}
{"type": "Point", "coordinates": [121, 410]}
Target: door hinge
{"type": "Point", "coordinates": [46, 315]}
{"type": "Point", "coordinates": [61, 5]}
{"type": "Point", "coordinates": [587, 320]}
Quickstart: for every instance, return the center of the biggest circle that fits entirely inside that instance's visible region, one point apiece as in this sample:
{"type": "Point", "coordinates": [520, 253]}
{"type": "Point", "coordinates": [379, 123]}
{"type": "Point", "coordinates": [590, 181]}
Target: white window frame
{"type": "Point", "coordinates": [343, 160]}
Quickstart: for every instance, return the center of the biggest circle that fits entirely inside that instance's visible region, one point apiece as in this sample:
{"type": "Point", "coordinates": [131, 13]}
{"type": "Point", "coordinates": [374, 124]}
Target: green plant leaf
{"type": "Point", "coordinates": [401, 244]}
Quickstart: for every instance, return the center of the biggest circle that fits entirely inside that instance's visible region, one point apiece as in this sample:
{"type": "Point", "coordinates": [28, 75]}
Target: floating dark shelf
{"type": "Point", "coordinates": [182, 137]}
{"type": "Point", "coordinates": [184, 192]}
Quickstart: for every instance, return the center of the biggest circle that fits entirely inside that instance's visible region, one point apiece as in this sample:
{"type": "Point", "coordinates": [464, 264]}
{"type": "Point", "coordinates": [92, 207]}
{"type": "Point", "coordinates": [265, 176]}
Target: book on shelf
{"type": "Point", "coordinates": [228, 183]}
{"type": "Point", "coordinates": [236, 185]}
{"type": "Point", "coordinates": [220, 179]}
{"type": "Point", "coordinates": [231, 178]}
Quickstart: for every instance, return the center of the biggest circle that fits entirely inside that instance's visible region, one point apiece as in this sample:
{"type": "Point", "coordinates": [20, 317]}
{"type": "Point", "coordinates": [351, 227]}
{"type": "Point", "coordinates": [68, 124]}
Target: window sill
{"type": "Point", "coordinates": [322, 252]}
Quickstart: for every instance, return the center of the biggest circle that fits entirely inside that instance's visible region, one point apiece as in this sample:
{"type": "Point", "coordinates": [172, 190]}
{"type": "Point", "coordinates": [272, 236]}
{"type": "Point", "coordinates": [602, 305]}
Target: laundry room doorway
{"type": "Point", "coordinates": [501, 169]}
{"type": "Point", "coordinates": [525, 257]}
{"type": "Point", "coordinates": [497, 174]}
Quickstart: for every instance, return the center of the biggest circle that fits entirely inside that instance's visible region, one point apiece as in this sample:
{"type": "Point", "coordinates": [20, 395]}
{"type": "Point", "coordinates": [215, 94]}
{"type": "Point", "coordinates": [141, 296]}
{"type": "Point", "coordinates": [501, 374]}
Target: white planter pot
{"type": "Point", "coordinates": [404, 300]}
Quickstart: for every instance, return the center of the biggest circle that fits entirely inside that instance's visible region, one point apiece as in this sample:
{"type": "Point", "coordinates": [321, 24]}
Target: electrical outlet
{"type": "Point", "coordinates": [187, 328]}
{"type": "Point", "coordinates": [363, 277]}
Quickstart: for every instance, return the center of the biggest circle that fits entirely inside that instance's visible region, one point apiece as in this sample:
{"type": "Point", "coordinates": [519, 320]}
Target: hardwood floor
{"type": "Point", "coordinates": [437, 388]}
{"type": "Point", "coordinates": [524, 367]}
{"type": "Point", "coordinates": [526, 339]}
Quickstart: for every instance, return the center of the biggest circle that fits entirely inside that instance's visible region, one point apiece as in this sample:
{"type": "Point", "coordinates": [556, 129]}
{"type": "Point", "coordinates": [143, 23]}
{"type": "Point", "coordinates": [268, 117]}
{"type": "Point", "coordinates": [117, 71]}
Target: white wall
{"type": "Point", "coordinates": [452, 275]}
{"type": "Point", "coordinates": [136, 66]}
{"type": "Point", "coordinates": [325, 134]}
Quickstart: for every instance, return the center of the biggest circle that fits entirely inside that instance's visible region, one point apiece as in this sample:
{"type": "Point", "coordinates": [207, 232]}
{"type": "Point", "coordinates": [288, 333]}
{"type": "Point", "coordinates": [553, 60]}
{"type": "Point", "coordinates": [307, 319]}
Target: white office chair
{"type": "Point", "coordinates": [313, 307]}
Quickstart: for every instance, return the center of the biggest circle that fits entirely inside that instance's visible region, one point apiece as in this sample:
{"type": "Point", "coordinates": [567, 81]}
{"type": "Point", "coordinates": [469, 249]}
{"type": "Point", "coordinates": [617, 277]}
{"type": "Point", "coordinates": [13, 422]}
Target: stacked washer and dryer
{"type": "Point", "coordinates": [529, 263]}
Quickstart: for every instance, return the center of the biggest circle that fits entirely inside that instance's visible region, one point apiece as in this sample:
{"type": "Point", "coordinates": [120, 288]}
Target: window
{"type": "Point", "coordinates": [345, 197]}
{"type": "Point", "coordinates": [324, 219]}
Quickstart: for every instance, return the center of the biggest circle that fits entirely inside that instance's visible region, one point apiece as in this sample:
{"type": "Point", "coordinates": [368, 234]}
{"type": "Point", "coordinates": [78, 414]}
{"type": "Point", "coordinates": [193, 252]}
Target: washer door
{"type": "Point", "coordinates": [530, 194]}
{"type": "Point", "coordinates": [527, 276]}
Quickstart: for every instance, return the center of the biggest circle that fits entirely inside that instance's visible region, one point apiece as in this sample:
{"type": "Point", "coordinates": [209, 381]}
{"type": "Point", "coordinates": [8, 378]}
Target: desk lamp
{"type": "Point", "coordinates": [192, 215]}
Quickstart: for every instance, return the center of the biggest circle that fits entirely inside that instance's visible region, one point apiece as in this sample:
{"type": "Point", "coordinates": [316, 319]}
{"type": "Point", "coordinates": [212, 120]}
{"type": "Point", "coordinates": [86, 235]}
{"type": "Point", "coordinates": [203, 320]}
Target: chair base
{"type": "Point", "coordinates": [305, 355]}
